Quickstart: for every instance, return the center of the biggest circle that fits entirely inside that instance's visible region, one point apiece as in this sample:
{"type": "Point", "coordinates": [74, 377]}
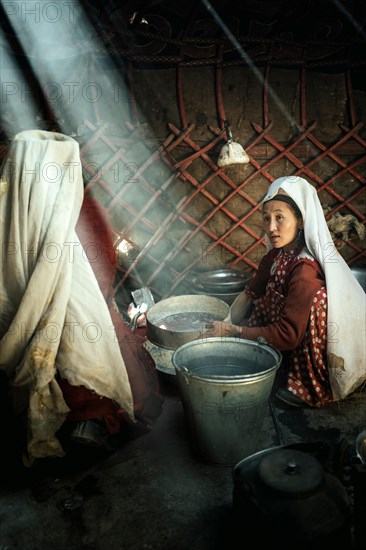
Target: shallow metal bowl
{"type": "Point", "coordinates": [221, 280]}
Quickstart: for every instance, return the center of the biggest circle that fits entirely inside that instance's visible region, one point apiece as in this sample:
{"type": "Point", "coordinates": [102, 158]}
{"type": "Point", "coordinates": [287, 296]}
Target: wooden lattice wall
{"type": "Point", "coordinates": [158, 177]}
{"type": "Point", "coordinates": [185, 214]}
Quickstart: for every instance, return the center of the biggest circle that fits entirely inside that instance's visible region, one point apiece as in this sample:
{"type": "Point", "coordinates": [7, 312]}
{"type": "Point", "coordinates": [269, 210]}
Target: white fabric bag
{"type": "Point", "coordinates": [53, 316]}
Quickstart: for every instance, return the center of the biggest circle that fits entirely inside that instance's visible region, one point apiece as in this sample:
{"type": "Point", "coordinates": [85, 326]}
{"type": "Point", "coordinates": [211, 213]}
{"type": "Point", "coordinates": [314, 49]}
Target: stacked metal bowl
{"type": "Point", "coordinates": [224, 284]}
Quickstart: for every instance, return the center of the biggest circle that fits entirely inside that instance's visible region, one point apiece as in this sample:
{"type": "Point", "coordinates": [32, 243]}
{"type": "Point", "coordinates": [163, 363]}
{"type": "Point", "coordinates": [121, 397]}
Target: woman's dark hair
{"type": "Point", "coordinates": [288, 200]}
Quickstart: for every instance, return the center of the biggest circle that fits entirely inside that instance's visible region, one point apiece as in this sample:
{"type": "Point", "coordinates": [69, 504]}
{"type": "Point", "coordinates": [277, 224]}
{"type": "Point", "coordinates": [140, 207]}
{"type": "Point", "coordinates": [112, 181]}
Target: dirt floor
{"type": "Point", "coordinates": [155, 492]}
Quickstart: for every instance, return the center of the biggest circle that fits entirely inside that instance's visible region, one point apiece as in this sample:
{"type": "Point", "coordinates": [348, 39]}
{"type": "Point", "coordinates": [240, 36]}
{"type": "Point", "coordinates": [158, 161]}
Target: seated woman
{"type": "Point", "coordinates": [304, 300]}
{"type": "Point", "coordinates": [65, 350]}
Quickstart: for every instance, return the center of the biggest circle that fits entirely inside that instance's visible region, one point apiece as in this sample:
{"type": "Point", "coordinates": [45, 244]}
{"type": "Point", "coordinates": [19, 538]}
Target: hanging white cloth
{"type": "Point", "coordinates": [53, 316]}
{"type": "Point", "coordinates": [346, 336]}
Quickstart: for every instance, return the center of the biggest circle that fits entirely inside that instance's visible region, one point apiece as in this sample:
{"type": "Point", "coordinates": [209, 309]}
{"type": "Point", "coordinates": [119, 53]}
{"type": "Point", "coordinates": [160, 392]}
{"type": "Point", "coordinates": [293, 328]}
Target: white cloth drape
{"type": "Point", "coordinates": [52, 312]}
{"type": "Point", "coordinates": [346, 336]}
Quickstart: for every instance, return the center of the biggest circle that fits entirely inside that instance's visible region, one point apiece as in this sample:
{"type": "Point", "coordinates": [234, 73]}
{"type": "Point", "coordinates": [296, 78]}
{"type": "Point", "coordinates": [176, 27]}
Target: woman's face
{"type": "Point", "coordinates": [280, 224]}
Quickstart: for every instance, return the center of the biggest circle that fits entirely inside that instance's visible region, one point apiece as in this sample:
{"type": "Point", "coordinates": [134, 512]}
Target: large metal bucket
{"type": "Point", "coordinates": [225, 385]}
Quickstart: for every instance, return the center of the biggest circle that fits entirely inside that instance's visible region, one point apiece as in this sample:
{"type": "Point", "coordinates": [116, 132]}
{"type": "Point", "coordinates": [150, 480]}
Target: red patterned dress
{"type": "Point", "coordinates": [290, 312]}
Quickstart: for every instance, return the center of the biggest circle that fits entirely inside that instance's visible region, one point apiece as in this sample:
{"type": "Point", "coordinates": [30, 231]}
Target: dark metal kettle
{"type": "Point", "coordinates": [285, 495]}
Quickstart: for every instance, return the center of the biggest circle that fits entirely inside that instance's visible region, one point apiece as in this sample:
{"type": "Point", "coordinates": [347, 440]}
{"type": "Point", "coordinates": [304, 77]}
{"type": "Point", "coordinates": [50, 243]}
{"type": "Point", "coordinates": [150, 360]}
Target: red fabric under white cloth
{"type": "Point", "coordinates": [95, 234]}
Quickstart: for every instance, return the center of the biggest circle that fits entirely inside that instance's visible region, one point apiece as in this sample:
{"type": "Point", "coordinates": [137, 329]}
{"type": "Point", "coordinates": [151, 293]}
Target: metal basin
{"type": "Point", "coordinates": [175, 321]}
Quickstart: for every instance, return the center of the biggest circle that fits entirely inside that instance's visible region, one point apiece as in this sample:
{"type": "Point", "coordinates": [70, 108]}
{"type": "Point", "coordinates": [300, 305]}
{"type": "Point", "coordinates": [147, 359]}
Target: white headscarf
{"type": "Point", "coordinates": [53, 316]}
{"type": "Point", "coordinates": [346, 342]}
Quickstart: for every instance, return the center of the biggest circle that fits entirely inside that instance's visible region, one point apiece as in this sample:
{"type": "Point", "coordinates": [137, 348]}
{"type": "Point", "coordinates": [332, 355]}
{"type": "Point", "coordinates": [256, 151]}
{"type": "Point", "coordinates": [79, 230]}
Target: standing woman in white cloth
{"type": "Point", "coordinates": [305, 300]}
{"type": "Point", "coordinates": [54, 321]}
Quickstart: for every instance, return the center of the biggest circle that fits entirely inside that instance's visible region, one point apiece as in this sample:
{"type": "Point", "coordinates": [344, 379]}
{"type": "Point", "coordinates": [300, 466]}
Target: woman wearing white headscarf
{"type": "Point", "coordinates": [57, 336]}
{"type": "Point", "coordinates": [305, 301]}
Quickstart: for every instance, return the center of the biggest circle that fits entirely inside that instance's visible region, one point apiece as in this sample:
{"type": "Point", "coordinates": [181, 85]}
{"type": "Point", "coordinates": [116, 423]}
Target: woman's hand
{"type": "Point", "coordinates": [220, 329]}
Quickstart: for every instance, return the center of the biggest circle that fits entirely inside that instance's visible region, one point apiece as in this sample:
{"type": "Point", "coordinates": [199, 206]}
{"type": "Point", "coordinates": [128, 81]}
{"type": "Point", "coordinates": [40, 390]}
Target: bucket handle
{"type": "Point", "coordinates": [263, 342]}
{"type": "Point", "coordinates": [184, 371]}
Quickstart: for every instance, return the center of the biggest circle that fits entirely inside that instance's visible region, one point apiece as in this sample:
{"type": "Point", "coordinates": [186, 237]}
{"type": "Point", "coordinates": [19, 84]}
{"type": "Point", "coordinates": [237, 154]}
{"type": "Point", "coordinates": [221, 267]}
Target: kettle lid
{"type": "Point", "coordinates": [290, 472]}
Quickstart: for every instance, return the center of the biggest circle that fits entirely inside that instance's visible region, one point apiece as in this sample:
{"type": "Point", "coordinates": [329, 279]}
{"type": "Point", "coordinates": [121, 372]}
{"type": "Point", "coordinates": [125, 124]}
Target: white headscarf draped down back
{"type": "Point", "coordinates": [346, 335]}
